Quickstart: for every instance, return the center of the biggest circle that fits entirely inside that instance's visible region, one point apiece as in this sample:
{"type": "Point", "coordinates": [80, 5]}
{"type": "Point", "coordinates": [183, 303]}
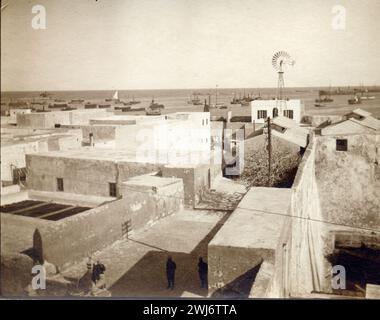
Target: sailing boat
{"type": "Point", "coordinates": [235, 100]}
{"type": "Point", "coordinates": [218, 105]}
{"type": "Point", "coordinates": [115, 97]}
{"type": "Point", "coordinates": [194, 99]}
{"type": "Point", "coordinates": [132, 102]}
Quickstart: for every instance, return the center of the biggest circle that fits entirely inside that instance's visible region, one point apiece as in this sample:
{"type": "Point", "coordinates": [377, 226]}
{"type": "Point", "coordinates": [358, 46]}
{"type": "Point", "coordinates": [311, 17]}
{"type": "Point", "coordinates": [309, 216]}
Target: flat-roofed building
{"type": "Point", "coordinates": [262, 109]}
{"type": "Point", "coordinates": [55, 119]}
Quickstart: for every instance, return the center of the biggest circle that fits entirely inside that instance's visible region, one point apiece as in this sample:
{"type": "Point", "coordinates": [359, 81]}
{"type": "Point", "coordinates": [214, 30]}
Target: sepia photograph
{"type": "Point", "coordinates": [190, 150]}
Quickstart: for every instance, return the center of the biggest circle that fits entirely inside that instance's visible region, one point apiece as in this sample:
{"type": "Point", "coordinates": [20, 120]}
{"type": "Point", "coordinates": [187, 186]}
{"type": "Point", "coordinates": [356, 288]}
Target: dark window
{"type": "Point", "coordinates": [288, 113]}
{"type": "Point", "coordinates": [275, 112]}
{"type": "Point", "coordinates": [261, 114]}
{"type": "Point", "coordinates": [60, 184]}
{"type": "Point", "coordinates": [112, 187]}
{"type": "Point", "coordinates": [57, 125]}
{"type": "Point", "coordinates": [19, 175]}
{"type": "Point", "coordinates": [341, 144]}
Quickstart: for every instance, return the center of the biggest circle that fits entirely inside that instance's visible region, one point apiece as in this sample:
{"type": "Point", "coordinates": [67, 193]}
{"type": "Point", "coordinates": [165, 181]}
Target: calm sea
{"type": "Point", "coordinates": [176, 99]}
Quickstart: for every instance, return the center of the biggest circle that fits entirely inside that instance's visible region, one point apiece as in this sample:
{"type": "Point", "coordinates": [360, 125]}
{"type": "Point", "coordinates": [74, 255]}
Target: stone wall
{"type": "Point", "coordinates": [73, 238]}
{"type": "Point", "coordinates": [83, 176]}
{"type": "Point", "coordinates": [15, 274]}
{"type": "Point", "coordinates": [304, 254]}
{"type": "Point", "coordinates": [196, 180]}
{"type": "Point", "coordinates": [13, 153]}
{"type": "Point", "coordinates": [50, 119]}
{"type": "Point", "coordinates": [150, 198]}
{"type": "Point", "coordinates": [349, 181]}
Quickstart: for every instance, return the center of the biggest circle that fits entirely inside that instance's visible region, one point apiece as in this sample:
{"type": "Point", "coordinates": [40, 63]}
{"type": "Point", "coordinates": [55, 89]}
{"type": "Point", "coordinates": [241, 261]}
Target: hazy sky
{"type": "Point", "coordinates": [145, 44]}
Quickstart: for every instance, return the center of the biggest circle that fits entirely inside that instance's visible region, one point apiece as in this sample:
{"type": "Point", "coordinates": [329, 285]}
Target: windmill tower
{"type": "Point", "coordinates": [279, 60]}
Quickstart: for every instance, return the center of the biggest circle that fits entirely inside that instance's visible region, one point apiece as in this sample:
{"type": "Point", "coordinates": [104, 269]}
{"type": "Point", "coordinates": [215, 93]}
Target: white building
{"type": "Point", "coordinates": [262, 109]}
{"type": "Point", "coordinates": [170, 138]}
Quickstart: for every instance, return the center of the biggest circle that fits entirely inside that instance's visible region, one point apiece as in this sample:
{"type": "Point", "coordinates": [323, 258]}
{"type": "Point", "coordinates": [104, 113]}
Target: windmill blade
{"type": "Point", "coordinates": [280, 58]}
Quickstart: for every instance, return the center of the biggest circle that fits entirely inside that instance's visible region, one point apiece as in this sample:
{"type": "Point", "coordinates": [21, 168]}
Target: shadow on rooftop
{"type": "Point", "coordinates": [147, 278]}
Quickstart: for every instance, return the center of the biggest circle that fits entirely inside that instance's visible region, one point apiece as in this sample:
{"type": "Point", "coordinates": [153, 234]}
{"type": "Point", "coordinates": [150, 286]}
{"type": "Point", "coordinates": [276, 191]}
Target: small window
{"type": "Point", "coordinates": [60, 184]}
{"type": "Point", "coordinates": [112, 188]}
{"type": "Point", "coordinates": [206, 121]}
{"type": "Point", "coordinates": [261, 114]}
{"type": "Point", "coordinates": [57, 125]}
{"type": "Point", "coordinates": [203, 122]}
{"type": "Point", "coordinates": [341, 144]}
{"type": "Point", "coordinates": [289, 114]}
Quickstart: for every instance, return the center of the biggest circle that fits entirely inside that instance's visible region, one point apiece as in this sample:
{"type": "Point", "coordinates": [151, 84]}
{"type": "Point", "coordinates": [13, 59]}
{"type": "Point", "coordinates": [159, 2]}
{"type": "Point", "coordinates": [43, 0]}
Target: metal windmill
{"type": "Point", "coordinates": [279, 60]}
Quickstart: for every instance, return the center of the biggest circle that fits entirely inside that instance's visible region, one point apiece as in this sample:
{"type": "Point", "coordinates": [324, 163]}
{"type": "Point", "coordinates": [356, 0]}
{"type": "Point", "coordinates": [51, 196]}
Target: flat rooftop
{"type": "Point", "coordinates": [150, 180]}
{"type": "Point", "coordinates": [42, 210]}
{"type": "Point", "coordinates": [257, 221]}
{"type": "Point", "coordinates": [109, 154]}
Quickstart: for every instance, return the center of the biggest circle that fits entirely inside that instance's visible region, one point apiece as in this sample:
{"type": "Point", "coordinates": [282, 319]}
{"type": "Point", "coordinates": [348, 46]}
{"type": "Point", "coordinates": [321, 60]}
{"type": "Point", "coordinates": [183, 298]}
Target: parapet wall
{"type": "Point", "coordinates": [305, 249]}
{"type": "Point", "coordinates": [50, 119]}
{"type": "Point", "coordinates": [81, 176]}
{"type": "Point", "coordinates": [75, 237]}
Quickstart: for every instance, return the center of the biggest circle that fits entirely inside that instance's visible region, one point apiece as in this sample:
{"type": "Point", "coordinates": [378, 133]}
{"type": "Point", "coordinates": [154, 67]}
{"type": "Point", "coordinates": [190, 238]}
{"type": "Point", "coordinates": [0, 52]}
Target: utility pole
{"type": "Point", "coordinates": [269, 149]}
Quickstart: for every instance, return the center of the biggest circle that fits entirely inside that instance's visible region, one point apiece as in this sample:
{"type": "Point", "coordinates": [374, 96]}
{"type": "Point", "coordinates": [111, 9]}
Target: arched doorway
{"type": "Point", "coordinates": [275, 112]}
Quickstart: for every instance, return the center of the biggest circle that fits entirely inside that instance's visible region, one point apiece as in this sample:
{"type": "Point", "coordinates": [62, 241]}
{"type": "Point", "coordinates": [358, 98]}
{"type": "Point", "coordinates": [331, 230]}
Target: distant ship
{"type": "Point", "coordinates": [194, 100]}
{"type": "Point", "coordinates": [132, 102]}
{"type": "Point", "coordinates": [76, 101]}
{"type": "Point", "coordinates": [90, 105]}
{"type": "Point", "coordinates": [326, 98]}
{"type": "Point", "coordinates": [154, 109]}
{"type": "Point", "coordinates": [235, 100]}
{"type": "Point", "coordinates": [218, 105]}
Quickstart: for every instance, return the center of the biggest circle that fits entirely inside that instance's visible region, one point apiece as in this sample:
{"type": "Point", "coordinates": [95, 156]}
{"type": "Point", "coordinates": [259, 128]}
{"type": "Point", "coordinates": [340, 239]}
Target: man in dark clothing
{"type": "Point", "coordinates": [170, 272]}
{"type": "Point", "coordinates": [97, 270]}
{"type": "Point", "coordinates": [202, 271]}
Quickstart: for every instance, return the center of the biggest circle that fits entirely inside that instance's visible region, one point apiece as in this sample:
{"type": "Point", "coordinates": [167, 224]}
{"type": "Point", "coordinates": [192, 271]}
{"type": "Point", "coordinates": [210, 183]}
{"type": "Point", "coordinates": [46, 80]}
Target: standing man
{"type": "Point", "coordinates": [170, 272]}
{"type": "Point", "coordinates": [97, 271]}
{"type": "Point", "coordinates": [202, 271]}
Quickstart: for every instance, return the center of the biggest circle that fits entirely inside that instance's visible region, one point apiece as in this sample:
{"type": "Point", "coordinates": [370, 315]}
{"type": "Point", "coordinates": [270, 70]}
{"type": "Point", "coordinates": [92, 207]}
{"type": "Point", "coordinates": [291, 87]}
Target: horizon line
{"type": "Point", "coordinates": [192, 88]}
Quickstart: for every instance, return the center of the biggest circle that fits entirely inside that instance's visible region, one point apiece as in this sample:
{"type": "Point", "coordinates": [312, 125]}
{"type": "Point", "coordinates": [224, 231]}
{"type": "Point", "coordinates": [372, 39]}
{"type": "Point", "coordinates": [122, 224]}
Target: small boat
{"type": "Point", "coordinates": [355, 100]}
{"type": "Point", "coordinates": [132, 102]}
{"type": "Point", "coordinates": [76, 101]}
{"type": "Point", "coordinates": [195, 100]}
{"type": "Point", "coordinates": [44, 94]}
{"type": "Point", "coordinates": [235, 100]}
{"type": "Point", "coordinates": [89, 105]}
{"type": "Point", "coordinates": [326, 98]}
